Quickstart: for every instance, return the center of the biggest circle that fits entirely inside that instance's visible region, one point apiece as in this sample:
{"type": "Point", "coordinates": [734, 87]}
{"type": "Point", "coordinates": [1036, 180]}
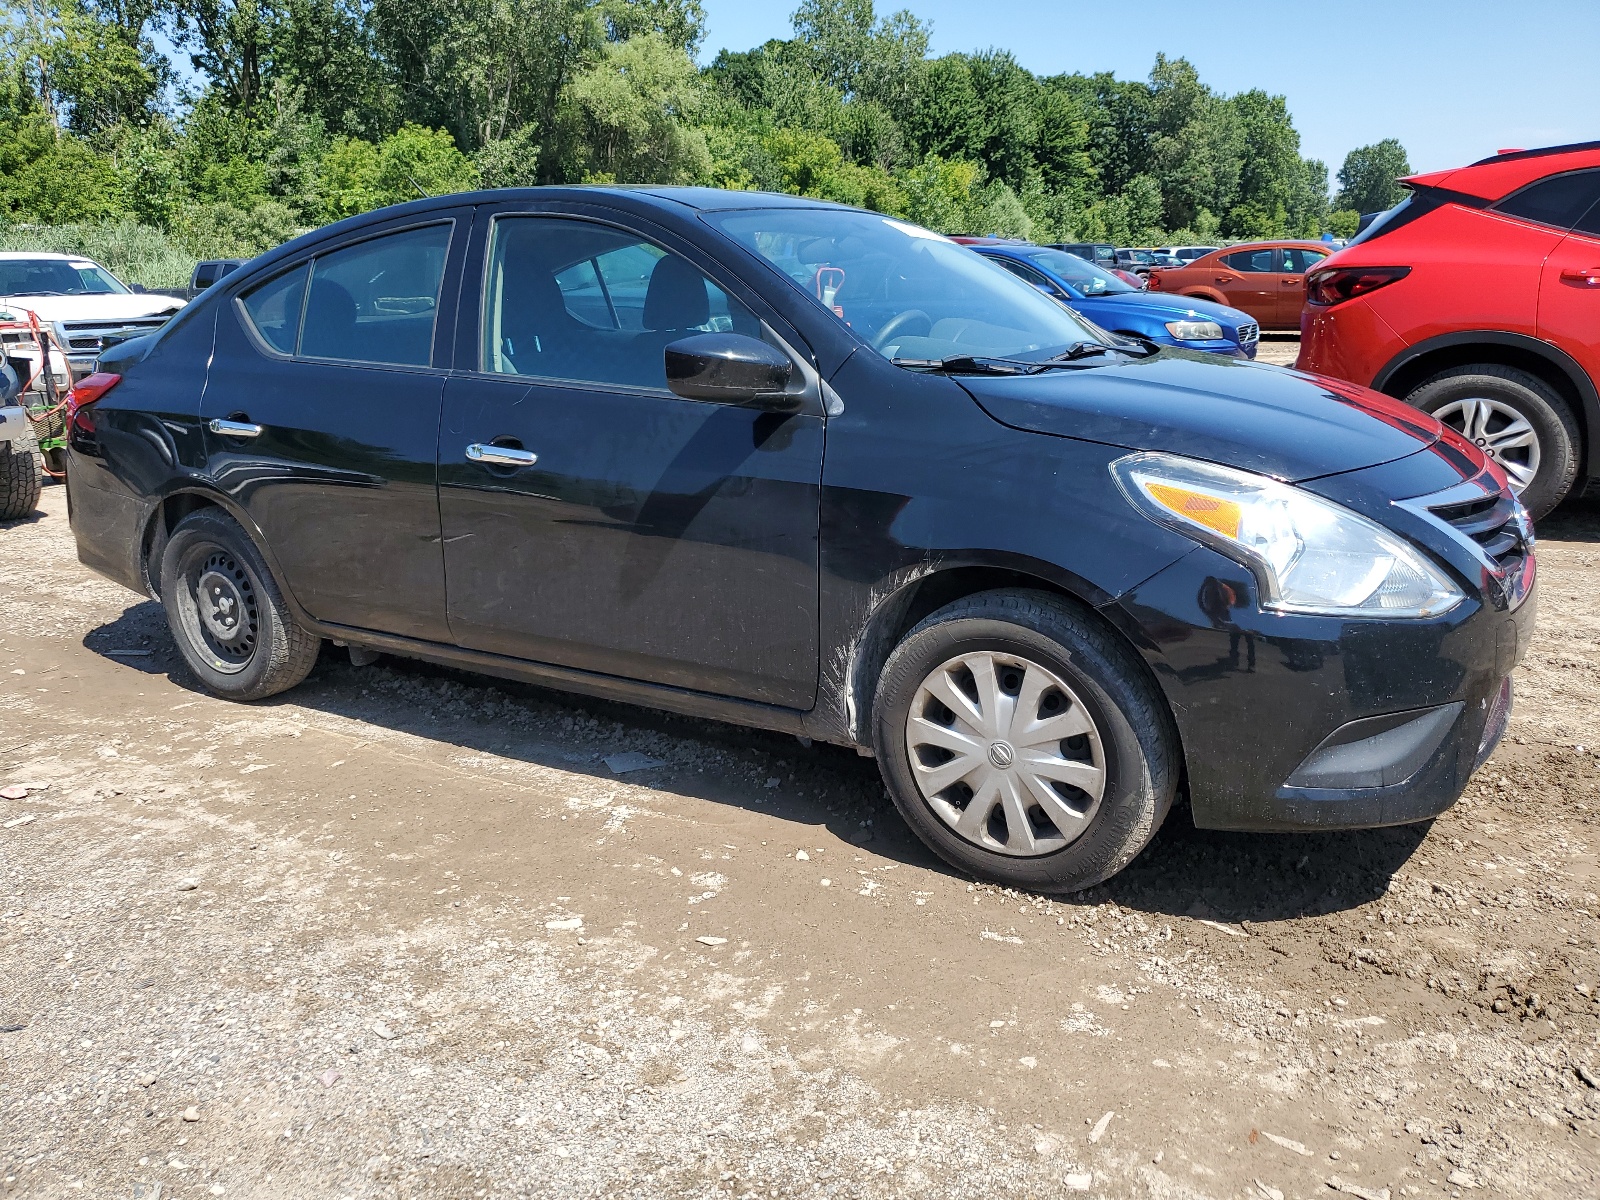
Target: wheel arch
{"type": "Point", "coordinates": [176, 504]}
{"type": "Point", "coordinates": [1416, 364]}
{"type": "Point", "coordinates": [901, 601]}
{"type": "Point", "coordinates": [1202, 293]}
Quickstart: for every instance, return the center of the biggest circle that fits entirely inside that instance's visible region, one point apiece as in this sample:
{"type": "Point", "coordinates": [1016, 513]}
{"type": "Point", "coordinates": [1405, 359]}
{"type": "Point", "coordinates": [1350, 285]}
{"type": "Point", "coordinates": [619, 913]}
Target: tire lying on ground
{"type": "Point", "coordinates": [19, 480]}
{"type": "Point", "coordinates": [1517, 419]}
{"type": "Point", "coordinates": [1023, 741]}
{"type": "Point", "coordinates": [232, 626]}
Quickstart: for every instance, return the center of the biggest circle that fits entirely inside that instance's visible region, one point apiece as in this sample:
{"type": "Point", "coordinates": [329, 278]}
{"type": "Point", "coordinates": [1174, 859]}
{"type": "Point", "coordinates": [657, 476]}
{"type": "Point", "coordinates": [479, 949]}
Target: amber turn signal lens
{"type": "Point", "coordinates": [1223, 516]}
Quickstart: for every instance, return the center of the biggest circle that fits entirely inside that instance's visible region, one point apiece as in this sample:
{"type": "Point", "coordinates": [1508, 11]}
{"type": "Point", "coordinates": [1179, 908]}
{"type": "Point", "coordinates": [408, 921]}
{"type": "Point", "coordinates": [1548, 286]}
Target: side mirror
{"type": "Point", "coordinates": [730, 368]}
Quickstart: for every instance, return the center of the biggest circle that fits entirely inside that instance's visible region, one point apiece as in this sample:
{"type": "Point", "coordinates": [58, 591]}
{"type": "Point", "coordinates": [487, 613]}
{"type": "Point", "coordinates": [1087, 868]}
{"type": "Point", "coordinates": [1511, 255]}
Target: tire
{"type": "Point", "coordinates": [1129, 754]}
{"type": "Point", "coordinates": [236, 634]}
{"type": "Point", "coordinates": [19, 481]}
{"type": "Point", "coordinates": [1498, 408]}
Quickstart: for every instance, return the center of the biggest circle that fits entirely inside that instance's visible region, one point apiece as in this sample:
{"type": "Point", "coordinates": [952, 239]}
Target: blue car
{"type": "Point", "coordinates": [1093, 292]}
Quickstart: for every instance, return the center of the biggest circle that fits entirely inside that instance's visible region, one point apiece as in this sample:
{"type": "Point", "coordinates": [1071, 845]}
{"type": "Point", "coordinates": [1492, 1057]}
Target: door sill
{"type": "Point", "coordinates": [749, 713]}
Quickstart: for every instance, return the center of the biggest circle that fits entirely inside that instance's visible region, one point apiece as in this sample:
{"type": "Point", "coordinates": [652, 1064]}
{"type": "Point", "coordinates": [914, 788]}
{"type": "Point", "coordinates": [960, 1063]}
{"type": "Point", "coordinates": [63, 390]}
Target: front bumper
{"type": "Point", "coordinates": [1223, 346]}
{"type": "Point", "coordinates": [1256, 696]}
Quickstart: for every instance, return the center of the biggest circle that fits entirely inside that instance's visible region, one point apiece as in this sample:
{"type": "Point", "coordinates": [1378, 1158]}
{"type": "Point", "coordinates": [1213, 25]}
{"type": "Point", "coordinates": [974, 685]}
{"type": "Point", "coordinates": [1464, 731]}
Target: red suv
{"type": "Point", "coordinates": [1477, 299]}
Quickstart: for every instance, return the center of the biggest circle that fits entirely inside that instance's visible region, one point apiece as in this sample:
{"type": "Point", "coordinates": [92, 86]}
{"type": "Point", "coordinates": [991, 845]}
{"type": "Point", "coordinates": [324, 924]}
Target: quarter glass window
{"type": "Point", "coordinates": [274, 308]}
{"type": "Point", "coordinates": [1559, 200]}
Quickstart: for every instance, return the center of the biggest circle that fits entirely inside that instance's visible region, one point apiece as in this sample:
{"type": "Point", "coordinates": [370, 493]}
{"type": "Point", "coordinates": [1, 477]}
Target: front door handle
{"type": "Point", "coordinates": [500, 456]}
{"type": "Point", "coordinates": [233, 429]}
{"type": "Point", "coordinates": [1590, 277]}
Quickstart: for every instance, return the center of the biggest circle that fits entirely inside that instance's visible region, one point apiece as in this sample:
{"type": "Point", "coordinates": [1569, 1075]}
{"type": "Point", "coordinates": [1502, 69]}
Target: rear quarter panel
{"type": "Point", "coordinates": [1470, 269]}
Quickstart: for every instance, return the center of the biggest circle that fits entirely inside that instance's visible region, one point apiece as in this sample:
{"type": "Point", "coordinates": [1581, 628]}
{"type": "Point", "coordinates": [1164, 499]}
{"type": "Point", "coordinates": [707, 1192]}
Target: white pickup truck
{"type": "Point", "coordinates": [89, 307]}
{"type": "Point", "coordinates": [84, 309]}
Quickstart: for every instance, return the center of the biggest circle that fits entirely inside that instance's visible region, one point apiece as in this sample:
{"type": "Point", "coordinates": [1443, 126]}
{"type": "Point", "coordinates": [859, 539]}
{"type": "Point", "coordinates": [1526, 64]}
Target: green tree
{"type": "Point", "coordinates": [357, 176]}
{"type": "Point", "coordinates": [630, 113]}
{"type": "Point", "coordinates": [1367, 179]}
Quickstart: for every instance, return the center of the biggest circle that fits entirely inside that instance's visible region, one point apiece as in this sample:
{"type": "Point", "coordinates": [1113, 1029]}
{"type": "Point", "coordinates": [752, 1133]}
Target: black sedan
{"type": "Point", "coordinates": [797, 466]}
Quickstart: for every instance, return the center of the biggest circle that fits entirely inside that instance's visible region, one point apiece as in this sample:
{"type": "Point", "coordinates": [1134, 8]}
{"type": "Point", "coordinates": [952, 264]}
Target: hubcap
{"type": "Point", "coordinates": [1005, 753]}
{"type": "Point", "coordinates": [1501, 432]}
{"type": "Point", "coordinates": [225, 605]}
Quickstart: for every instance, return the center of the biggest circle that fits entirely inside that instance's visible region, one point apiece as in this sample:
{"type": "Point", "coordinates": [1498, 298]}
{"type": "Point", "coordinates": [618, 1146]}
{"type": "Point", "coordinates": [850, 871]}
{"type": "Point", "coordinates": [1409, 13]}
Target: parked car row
{"type": "Point", "coordinates": [1045, 574]}
{"type": "Point", "coordinates": [1092, 291]}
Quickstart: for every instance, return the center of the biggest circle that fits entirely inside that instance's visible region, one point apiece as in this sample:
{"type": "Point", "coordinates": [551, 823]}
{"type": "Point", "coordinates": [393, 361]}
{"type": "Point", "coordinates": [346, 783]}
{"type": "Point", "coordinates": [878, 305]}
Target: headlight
{"type": "Point", "coordinates": [1195, 331]}
{"type": "Point", "coordinates": [1308, 554]}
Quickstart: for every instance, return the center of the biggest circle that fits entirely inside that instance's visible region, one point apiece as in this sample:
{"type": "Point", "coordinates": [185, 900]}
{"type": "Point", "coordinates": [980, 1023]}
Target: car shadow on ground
{"type": "Point", "coordinates": [1575, 521]}
{"type": "Point", "coordinates": [1230, 877]}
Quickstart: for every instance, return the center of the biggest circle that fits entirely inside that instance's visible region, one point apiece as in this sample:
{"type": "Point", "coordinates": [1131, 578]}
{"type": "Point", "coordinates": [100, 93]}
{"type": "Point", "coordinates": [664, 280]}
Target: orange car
{"type": "Point", "coordinates": [1265, 279]}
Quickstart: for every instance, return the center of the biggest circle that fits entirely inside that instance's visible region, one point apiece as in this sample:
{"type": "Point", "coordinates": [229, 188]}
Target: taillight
{"type": "Point", "coordinates": [85, 392]}
{"type": "Point", "coordinates": [1335, 285]}
{"type": "Point", "coordinates": [1152, 281]}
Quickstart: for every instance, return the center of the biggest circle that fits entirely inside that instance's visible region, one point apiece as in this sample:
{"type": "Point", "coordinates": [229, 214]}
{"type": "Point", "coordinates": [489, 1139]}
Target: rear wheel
{"type": "Point", "coordinates": [19, 481]}
{"type": "Point", "coordinates": [1023, 742]}
{"type": "Point", "coordinates": [1515, 418]}
{"type": "Point", "coordinates": [229, 619]}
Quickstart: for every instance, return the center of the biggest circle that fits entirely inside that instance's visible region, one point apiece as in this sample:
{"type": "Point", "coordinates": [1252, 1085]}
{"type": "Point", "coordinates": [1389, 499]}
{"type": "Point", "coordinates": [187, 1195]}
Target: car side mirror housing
{"type": "Point", "coordinates": [730, 368]}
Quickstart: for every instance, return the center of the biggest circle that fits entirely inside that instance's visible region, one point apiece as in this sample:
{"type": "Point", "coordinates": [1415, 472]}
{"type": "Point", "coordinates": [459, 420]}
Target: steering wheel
{"type": "Point", "coordinates": [898, 323]}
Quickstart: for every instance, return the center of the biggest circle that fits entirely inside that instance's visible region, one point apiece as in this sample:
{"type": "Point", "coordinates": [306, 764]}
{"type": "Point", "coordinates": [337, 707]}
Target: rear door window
{"type": "Point", "coordinates": [375, 301]}
{"type": "Point", "coordinates": [1255, 261]}
{"type": "Point", "coordinates": [274, 307]}
{"type": "Point", "coordinates": [1560, 200]}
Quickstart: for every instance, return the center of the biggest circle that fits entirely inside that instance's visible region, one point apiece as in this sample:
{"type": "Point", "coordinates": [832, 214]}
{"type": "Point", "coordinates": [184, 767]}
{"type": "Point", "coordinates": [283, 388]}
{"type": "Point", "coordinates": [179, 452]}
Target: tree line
{"type": "Point", "coordinates": [295, 112]}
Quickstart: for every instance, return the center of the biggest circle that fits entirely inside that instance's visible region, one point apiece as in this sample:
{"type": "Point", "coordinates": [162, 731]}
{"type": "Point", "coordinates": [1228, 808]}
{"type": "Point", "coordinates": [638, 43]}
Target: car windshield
{"type": "Point", "coordinates": [1083, 276]}
{"type": "Point", "coordinates": [910, 293]}
{"type": "Point", "coordinates": [56, 277]}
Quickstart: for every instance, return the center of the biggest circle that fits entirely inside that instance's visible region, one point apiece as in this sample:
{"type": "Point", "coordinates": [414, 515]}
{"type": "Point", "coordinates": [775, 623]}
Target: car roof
{"type": "Point", "coordinates": [1499, 175]}
{"type": "Point", "coordinates": [13, 255]}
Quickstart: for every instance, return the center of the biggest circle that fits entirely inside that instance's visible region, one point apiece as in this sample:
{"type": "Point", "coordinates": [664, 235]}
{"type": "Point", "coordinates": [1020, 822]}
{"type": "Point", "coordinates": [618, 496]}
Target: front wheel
{"type": "Point", "coordinates": [1023, 743]}
{"type": "Point", "coordinates": [1516, 419]}
{"type": "Point", "coordinates": [232, 626]}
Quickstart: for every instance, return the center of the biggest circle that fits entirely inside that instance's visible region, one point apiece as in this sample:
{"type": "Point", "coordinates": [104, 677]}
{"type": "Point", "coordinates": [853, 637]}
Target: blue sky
{"type": "Point", "coordinates": [1454, 80]}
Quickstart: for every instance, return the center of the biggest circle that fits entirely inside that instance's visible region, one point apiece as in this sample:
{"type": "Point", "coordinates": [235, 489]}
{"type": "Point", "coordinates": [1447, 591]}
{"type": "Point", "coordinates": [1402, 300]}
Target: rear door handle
{"type": "Point", "coordinates": [500, 456]}
{"type": "Point", "coordinates": [234, 429]}
{"type": "Point", "coordinates": [1590, 277]}
{"type": "Point", "coordinates": [1224, 279]}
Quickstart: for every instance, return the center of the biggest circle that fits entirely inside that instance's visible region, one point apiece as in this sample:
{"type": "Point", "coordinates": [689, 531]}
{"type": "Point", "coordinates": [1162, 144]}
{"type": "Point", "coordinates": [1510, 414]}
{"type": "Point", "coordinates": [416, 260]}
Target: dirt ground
{"type": "Point", "coordinates": [1279, 348]}
{"type": "Point", "coordinates": [404, 932]}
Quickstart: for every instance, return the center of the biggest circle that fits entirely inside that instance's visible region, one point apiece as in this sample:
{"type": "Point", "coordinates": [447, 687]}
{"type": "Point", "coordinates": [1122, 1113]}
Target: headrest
{"type": "Point", "coordinates": [676, 297]}
{"type": "Point", "coordinates": [330, 320]}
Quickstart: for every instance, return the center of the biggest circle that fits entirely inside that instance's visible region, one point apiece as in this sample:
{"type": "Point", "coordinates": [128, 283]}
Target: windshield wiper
{"type": "Point", "coordinates": [967, 364]}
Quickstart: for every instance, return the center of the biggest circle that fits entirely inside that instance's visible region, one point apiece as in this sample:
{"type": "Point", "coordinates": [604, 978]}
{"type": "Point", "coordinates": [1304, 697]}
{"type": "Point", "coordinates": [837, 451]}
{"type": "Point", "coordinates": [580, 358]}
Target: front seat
{"type": "Point", "coordinates": [537, 334]}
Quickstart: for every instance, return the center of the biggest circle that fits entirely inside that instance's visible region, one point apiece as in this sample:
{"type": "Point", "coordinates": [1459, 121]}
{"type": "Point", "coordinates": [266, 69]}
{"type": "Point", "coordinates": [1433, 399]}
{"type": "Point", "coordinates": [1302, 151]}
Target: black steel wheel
{"type": "Point", "coordinates": [232, 626]}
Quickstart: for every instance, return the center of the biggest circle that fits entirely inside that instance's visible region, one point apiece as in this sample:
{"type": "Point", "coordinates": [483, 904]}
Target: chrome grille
{"type": "Point", "coordinates": [1248, 334]}
{"type": "Point", "coordinates": [91, 337]}
{"type": "Point", "coordinates": [1488, 518]}
{"type": "Point", "coordinates": [1492, 522]}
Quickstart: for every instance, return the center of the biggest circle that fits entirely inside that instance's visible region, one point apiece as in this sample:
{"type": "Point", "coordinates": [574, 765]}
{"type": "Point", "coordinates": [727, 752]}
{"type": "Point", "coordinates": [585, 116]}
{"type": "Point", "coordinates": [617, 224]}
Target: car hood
{"type": "Point", "coordinates": [1175, 307]}
{"type": "Point", "coordinates": [1240, 414]}
{"type": "Point", "coordinates": [112, 307]}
